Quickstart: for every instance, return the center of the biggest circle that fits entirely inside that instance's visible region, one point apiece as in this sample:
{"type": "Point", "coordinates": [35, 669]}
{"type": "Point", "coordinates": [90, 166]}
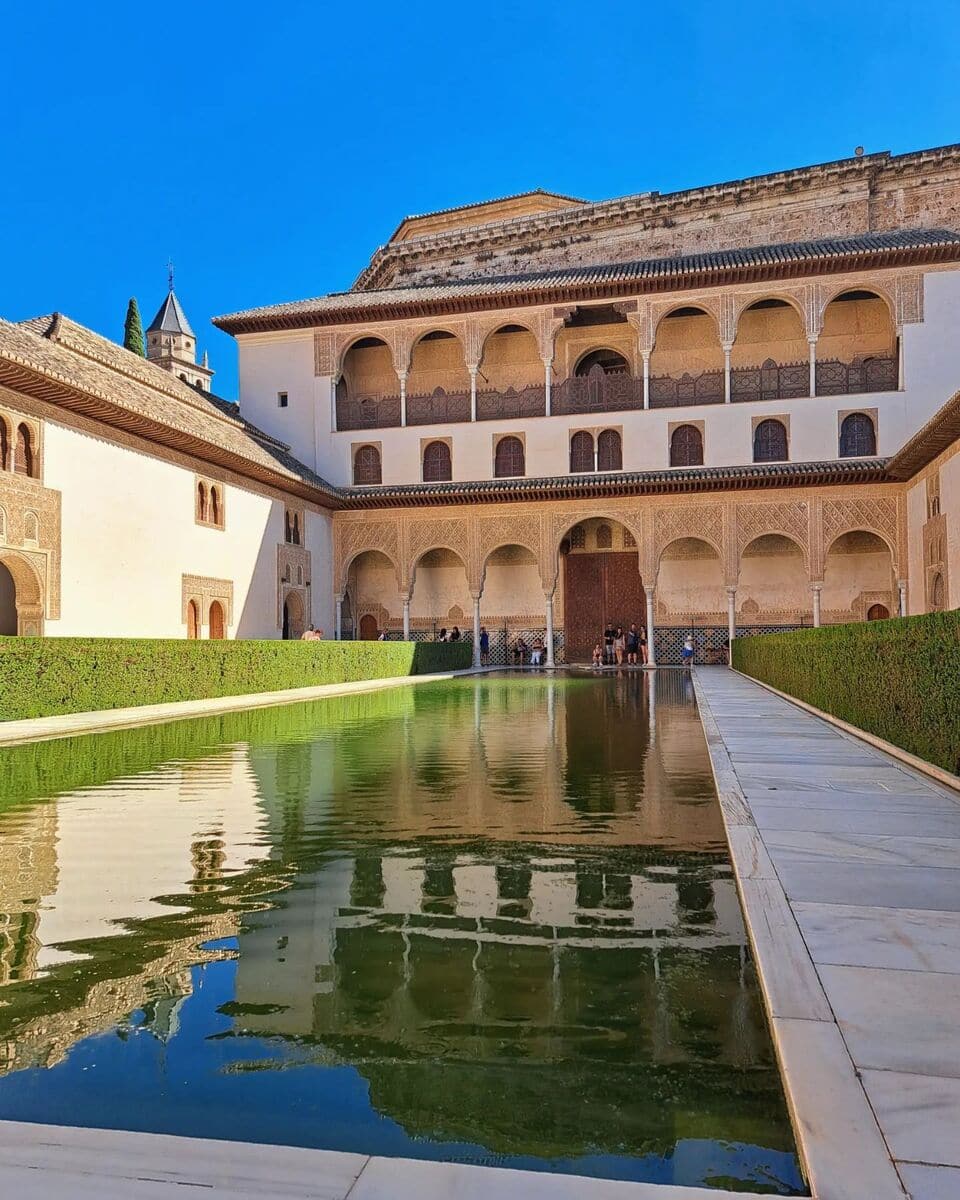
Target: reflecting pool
{"type": "Point", "coordinates": [491, 920]}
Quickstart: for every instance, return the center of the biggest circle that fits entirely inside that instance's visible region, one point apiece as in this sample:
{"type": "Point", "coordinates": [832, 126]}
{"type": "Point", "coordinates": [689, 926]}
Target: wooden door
{"type": "Point", "coordinates": [368, 628]}
{"type": "Point", "coordinates": [599, 588]}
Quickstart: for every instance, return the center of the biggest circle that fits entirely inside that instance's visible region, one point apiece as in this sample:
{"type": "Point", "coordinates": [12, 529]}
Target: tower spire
{"type": "Point", "coordinates": [169, 275]}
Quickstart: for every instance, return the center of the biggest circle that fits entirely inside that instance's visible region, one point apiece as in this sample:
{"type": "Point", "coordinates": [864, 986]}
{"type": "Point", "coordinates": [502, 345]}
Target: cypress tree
{"type": "Point", "coordinates": [133, 329]}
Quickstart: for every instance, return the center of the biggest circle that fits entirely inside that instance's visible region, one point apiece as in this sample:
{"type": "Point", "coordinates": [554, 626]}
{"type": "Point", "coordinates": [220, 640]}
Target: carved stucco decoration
{"type": "Point", "coordinates": [789, 520]}
{"type": "Point", "coordinates": [559, 523]}
{"type": "Point", "coordinates": [451, 533]}
{"type": "Point", "coordinates": [294, 569]}
{"type": "Point", "coordinates": [523, 529]}
{"type": "Point", "coordinates": [875, 514]}
{"type": "Point", "coordinates": [702, 521]}
{"type": "Point", "coordinates": [205, 590]}
{"type": "Point", "coordinates": [353, 537]}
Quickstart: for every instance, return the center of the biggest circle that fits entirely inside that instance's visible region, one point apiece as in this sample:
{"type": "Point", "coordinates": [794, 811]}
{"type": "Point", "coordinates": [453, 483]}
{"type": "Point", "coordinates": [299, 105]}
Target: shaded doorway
{"type": "Point", "coordinates": [601, 583]}
{"type": "Point", "coordinates": [293, 616]}
{"type": "Point", "coordinates": [878, 612]}
{"type": "Point", "coordinates": [217, 623]}
{"type": "Point", "coordinates": [368, 628]}
{"type": "Point", "coordinates": [8, 603]}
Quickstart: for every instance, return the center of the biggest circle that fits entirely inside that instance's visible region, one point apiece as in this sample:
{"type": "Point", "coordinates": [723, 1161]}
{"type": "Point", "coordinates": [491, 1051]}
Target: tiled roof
{"type": "Point", "coordinates": [620, 483]}
{"type": "Point", "coordinates": [442, 212]}
{"type": "Point", "coordinates": [637, 275]}
{"type": "Point", "coordinates": [56, 359]}
{"type": "Point", "coordinates": [170, 318]}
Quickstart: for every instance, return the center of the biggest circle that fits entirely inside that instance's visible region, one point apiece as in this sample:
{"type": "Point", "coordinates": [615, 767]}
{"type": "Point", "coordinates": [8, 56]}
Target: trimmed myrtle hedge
{"type": "Point", "coordinates": [42, 677]}
{"type": "Point", "coordinates": [897, 679]}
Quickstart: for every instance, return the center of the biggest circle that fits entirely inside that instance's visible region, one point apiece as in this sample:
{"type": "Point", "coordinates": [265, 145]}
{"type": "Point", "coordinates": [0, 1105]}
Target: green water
{"type": "Point", "coordinates": [487, 920]}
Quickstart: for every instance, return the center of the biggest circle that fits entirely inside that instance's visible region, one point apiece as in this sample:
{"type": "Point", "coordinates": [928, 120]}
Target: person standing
{"type": "Point", "coordinates": [442, 635]}
{"type": "Point", "coordinates": [633, 644]}
{"type": "Point", "coordinates": [609, 634]}
{"type": "Point", "coordinates": [484, 647]}
{"type": "Point", "coordinates": [455, 634]}
{"type": "Point", "coordinates": [644, 657]}
{"type": "Point", "coordinates": [686, 654]}
{"type": "Point", "coordinates": [619, 645]}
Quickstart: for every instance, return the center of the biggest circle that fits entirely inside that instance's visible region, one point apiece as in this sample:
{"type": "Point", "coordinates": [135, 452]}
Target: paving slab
{"type": "Point", "coordinates": [934, 824]}
{"type": "Point", "coordinates": [920, 1115]}
{"type": "Point", "coordinates": [905, 939]}
{"type": "Point", "coordinates": [799, 847]}
{"type": "Point", "coordinates": [931, 1183]}
{"type": "Point", "coordinates": [886, 887]}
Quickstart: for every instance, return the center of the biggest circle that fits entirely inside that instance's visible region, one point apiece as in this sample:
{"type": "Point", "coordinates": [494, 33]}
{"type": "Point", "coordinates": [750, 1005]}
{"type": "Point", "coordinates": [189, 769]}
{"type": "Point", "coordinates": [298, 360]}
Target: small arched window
{"type": "Point", "coordinates": [611, 362]}
{"type": "Point", "coordinates": [770, 442]}
{"type": "Point", "coordinates": [215, 505]}
{"type": "Point", "coordinates": [437, 463]}
{"type": "Point", "coordinates": [296, 529]}
{"type": "Point", "coordinates": [201, 502]}
{"type": "Point", "coordinates": [4, 444]}
{"type": "Point", "coordinates": [604, 537]}
{"type": "Point", "coordinates": [287, 529]}
{"type": "Point", "coordinates": [578, 537]}
{"type": "Point", "coordinates": [23, 452]}
{"type": "Point", "coordinates": [581, 452]}
{"type": "Point", "coordinates": [193, 620]}
{"type": "Point", "coordinates": [937, 598]}
{"type": "Point", "coordinates": [509, 459]}
{"type": "Point", "coordinates": [858, 438]}
{"type": "Point", "coordinates": [366, 466]}
{"type": "Point", "coordinates": [609, 451]}
{"type": "Point", "coordinates": [686, 447]}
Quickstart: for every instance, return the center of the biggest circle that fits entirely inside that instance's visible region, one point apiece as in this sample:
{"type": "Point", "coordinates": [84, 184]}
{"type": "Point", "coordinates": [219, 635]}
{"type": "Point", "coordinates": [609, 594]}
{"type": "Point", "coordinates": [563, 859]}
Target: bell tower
{"type": "Point", "coordinates": [172, 344]}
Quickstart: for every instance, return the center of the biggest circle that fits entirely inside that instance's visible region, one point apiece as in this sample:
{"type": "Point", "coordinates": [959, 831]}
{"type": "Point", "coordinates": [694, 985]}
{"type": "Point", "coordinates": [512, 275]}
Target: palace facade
{"type": "Point", "coordinates": [713, 412]}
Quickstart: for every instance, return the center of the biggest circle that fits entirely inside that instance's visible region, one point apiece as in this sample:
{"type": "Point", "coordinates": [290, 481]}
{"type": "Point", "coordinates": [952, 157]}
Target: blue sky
{"type": "Point", "coordinates": [269, 149]}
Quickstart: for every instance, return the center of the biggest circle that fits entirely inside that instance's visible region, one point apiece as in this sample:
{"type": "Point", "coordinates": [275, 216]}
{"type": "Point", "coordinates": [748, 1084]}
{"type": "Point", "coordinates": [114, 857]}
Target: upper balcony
{"type": "Point", "coordinates": [598, 365]}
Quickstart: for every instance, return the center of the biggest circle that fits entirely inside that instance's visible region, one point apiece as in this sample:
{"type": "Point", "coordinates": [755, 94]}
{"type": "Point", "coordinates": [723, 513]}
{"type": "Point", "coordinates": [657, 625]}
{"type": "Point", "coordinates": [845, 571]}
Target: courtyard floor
{"type": "Point", "coordinates": [849, 869]}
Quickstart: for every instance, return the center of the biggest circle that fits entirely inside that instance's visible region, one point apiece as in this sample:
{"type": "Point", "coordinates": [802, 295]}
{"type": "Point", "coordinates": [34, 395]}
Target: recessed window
{"type": "Point", "coordinates": [282, 399]}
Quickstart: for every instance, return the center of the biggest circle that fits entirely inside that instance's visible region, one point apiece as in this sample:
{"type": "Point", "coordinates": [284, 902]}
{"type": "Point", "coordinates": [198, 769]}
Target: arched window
{"type": "Point", "coordinates": [437, 465]}
{"type": "Point", "coordinates": [201, 502]}
{"type": "Point", "coordinates": [878, 612]}
{"type": "Point", "coordinates": [214, 506]}
{"type": "Point", "coordinates": [581, 451]}
{"type": "Point", "coordinates": [612, 362]}
{"type": "Point", "coordinates": [578, 537]}
{"type": "Point", "coordinates": [770, 442]}
{"type": "Point", "coordinates": [609, 451]}
{"type": "Point", "coordinates": [509, 459]}
{"type": "Point", "coordinates": [287, 531]}
{"type": "Point", "coordinates": [217, 623]}
{"type": "Point", "coordinates": [937, 597]}
{"type": "Point", "coordinates": [193, 620]}
{"type": "Point", "coordinates": [296, 529]}
{"type": "Point", "coordinates": [31, 527]}
{"type": "Point", "coordinates": [366, 465]}
{"type": "Point", "coordinates": [604, 537]}
{"type": "Point", "coordinates": [858, 438]}
{"type": "Point", "coordinates": [23, 452]}
{"type": "Point", "coordinates": [4, 444]}
{"type": "Point", "coordinates": [686, 447]}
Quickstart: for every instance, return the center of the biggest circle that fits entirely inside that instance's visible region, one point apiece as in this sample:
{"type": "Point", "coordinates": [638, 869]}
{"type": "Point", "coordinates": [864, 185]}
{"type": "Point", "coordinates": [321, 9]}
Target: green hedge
{"type": "Point", "coordinates": [42, 677]}
{"type": "Point", "coordinates": [897, 679]}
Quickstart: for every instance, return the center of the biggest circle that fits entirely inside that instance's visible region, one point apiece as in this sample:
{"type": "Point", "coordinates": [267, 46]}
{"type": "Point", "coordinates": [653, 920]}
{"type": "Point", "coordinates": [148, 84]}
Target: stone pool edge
{"type": "Point", "coordinates": [840, 1143]}
{"type": "Point", "coordinates": [37, 729]}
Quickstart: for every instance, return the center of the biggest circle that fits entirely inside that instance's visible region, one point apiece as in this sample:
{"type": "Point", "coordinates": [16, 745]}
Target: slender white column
{"type": "Point", "coordinates": [548, 385]}
{"type": "Point", "coordinates": [813, 365]}
{"type": "Point", "coordinates": [900, 376]}
{"type": "Point", "coordinates": [339, 618]}
{"type": "Point", "coordinates": [548, 597]}
{"type": "Point", "coordinates": [731, 614]}
{"type": "Point", "coordinates": [333, 409]}
{"type": "Point", "coordinates": [646, 377]}
{"type": "Point", "coordinates": [476, 630]}
{"type": "Point", "coordinates": [728, 346]}
{"type": "Point", "coordinates": [473, 392]}
{"type": "Point", "coordinates": [651, 631]}
{"type": "Point", "coordinates": [406, 618]}
{"type": "Point", "coordinates": [902, 596]}
{"type": "Point", "coordinates": [816, 588]}
{"type": "Point", "coordinates": [403, 399]}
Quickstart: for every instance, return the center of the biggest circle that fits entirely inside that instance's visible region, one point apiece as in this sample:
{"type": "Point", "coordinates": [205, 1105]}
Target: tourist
{"type": "Point", "coordinates": [609, 634]}
{"type": "Point", "coordinates": [598, 656]}
{"type": "Point", "coordinates": [442, 635]}
{"type": "Point", "coordinates": [643, 646]}
{"type": "Point", "coordinates": [520, 649]}
{"type": "Point", "coordinates": [686, 654]}
{"type": "Point", "coordinates": [455, 634]}
{"type": "Point", "coordinates": [633, 644]}
{"type": "Point", "coordinates": [619, 645]}
{"type": "Point", "coordinates": [536, 653]}
{"type": "Point", "coordinates": [484, 647]}
{"type": "Point", "coordinates": [382, 635]}
{"type": "Point", "coordinates": [311, 635]}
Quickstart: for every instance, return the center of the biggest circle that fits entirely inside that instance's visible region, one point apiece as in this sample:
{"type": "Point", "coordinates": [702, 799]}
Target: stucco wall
{"type": "Point", "coordinates": [129, 534]}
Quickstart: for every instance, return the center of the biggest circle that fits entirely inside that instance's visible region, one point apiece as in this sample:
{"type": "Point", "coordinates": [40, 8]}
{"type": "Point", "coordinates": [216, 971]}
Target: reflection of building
{"type": "Point", "coordinates": [110, 925]}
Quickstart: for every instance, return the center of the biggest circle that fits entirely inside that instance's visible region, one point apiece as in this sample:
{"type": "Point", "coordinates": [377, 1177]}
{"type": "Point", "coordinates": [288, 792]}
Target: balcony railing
{"type": "Point", "coordinates": [668, 392]}
{"type": "Point", "coordinates": [438, 408]}
{"type": "Point", "coordinates": [512, 404]}
{"type": "Point", "coordinates": [865, 375]}
{"type": "Point", "coordinates": [772, 381]}
{"type": "Point", "coordinates": [599, 391]}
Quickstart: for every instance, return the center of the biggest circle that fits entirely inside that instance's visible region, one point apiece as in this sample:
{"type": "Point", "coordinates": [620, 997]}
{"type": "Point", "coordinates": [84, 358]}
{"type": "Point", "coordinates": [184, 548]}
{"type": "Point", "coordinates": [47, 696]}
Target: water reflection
{"type": "Point", "coordinates": [489, 921]}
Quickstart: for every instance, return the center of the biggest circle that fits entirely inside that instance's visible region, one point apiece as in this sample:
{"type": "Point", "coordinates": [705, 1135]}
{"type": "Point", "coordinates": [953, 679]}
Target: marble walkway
{"type": "Point", "coordinates": [848, 863]}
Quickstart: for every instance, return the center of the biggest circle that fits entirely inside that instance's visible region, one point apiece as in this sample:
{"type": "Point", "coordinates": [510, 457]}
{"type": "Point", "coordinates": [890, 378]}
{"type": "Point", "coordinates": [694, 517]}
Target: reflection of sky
{"type": "Point", "coordinates": [191, 1085]}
